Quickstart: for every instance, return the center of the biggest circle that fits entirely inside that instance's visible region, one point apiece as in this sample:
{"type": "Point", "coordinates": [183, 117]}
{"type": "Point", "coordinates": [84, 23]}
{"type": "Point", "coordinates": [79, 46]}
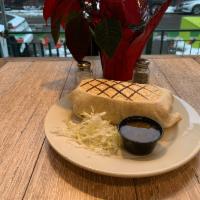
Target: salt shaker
{"type": "Point", "coordinates": [84, 71]}
{"type": "Point", "coordinates": [142, 71]}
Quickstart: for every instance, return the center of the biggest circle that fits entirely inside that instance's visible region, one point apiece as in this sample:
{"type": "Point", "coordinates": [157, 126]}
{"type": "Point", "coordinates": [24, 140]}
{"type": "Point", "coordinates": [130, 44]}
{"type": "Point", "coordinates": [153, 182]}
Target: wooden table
{"type": "Point", "coordinates": [30, 169]}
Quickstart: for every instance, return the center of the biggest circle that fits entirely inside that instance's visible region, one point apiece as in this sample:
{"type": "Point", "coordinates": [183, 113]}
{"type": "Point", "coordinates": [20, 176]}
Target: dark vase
{"type": "Point", "coordinates": [116, 68]}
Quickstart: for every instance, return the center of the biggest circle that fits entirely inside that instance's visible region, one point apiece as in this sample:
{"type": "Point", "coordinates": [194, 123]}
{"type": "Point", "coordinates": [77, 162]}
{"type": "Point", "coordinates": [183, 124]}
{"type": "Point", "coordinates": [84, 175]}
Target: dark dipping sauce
{"type": "Point", "coordinates": [140, 134]}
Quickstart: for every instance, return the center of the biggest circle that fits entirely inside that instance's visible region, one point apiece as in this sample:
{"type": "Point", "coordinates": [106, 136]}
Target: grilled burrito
{"type": "Point", "coordinates": [122, 99]}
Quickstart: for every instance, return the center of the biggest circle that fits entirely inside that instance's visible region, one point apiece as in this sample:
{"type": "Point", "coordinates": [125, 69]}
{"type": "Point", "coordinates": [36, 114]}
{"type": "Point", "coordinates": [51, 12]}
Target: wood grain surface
{"type": "Point", "coordinates": [31, 169]}
{"type": "Point", "coordinates": [197, 58]}
{"type": "Point", "coordinates": [2, 62]}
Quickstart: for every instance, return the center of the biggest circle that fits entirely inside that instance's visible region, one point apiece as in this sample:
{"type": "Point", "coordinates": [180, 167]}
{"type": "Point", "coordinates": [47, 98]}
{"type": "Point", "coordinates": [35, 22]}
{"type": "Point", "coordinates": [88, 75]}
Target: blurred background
{"type": "Point", "coordinates": [23, 31]}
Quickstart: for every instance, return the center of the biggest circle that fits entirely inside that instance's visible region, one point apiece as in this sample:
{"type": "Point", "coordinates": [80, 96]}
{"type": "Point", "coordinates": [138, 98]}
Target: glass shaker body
{"type": "Point", "coordinates": [142, 71]}
{"type": "Point", "coordinates": [84, 71]}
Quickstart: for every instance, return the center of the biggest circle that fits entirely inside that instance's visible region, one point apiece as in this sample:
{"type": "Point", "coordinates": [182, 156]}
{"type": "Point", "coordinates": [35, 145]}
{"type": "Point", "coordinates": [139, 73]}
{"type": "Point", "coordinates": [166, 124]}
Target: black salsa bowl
{"type": "Point", "coordinates": [139, 140]}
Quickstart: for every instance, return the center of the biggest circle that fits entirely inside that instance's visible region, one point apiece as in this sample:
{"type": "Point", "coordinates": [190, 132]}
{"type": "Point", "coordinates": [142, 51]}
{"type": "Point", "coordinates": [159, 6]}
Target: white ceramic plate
{"type": "Point", "coordinates": [178, 145]}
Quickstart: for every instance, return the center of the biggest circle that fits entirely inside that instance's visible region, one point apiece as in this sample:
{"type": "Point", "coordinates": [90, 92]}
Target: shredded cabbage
{"type": "Point", "coordinates": [95, 134]}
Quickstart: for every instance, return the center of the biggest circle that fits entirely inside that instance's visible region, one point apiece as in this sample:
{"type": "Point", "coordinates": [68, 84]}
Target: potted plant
{"type": "Point", "coordinates": [120, 28]}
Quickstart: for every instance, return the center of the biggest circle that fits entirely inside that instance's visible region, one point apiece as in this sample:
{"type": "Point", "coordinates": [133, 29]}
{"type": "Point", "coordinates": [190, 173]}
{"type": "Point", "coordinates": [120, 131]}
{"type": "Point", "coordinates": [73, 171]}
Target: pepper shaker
{"type": "Point", "coordinates": [84, 71]}
{"type": "Point", "coordinates": [142, 71]}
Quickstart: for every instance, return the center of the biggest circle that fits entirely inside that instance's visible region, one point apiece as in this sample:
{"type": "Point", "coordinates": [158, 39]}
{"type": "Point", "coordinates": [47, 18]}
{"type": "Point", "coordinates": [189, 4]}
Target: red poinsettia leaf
{"type": "Point", "coordinates": [60, 9]}
{"type": "Point", "coordinates": [55, 30]}
{"type": "Point", "coordinates": [112, 9]}
{"type": "Point", "coordinates": [128, 12]}
{"type": "Point", "coordinates": [59, 12]}
{"type": "Point", "coordinates": [65, 20]}
{"type": "Point", "coordinates": [140, 41]}
{"type": "Point", "coordinates": [64, 8]}
{"type": "Point", "coordinates": [78, 37]}
{"type": "Point", "coordinates": [136, 11]}
{"type": "Point", "coordinates": [49, 6]}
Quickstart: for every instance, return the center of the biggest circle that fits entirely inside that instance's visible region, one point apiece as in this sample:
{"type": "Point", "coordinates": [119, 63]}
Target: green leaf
{"type": "Point", "coordinates": [108, 35]}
